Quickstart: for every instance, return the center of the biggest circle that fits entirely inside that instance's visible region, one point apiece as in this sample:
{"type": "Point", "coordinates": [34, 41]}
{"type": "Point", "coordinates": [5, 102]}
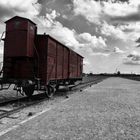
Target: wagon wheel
{"type": "Point", "coordinates": [57, 87]}
{"type": "Point", "coordinates": [28, 90]}
{"type": "Point", "coordinates": [49, 91]}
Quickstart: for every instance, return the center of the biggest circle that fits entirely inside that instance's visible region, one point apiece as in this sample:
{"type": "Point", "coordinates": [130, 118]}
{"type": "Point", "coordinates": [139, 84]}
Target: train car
{"type": "Point", "coordinates": [58, 65]}
{"type": "Point", "coordinates": [55, 57]}
{"type": "Point", "coordinates": [37, 62]}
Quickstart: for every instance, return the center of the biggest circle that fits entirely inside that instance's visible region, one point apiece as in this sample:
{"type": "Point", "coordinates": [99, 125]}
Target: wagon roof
{"type": "Point", "coordinates": [18, 17]}
{"type": "Point", "coordinates": [47, 35]}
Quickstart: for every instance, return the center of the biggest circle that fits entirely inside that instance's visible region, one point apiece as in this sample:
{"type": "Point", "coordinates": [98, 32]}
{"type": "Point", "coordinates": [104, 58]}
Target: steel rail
{"type": "Point", "coordinates": [41, 97]}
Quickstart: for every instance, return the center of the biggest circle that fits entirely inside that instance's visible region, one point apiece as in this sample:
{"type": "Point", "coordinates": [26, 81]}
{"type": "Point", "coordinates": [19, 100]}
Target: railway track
{"type": "Point", "coordinates": [18, 104]}
{"type": "Point", "coordinates": [88, 83]}
{"type": "Point", "coordinates": [24, 102]}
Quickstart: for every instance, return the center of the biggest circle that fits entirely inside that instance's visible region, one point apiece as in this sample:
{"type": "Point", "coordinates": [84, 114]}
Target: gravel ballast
{"type": "Point", "coordinates": [107, 111]}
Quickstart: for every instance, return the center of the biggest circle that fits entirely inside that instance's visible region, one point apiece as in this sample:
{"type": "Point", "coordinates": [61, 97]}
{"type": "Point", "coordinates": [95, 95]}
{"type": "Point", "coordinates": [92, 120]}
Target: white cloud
{"type": "Point", "coordinates": [131, 62]}
{"type": "Point", "coordinates": [100, 54]}
{"type": "Point", "coordinates": [86, 62]}
{"type": "Point", "coordinates": [1, 48]}
{"type": "Point", "coordinates": [104, 14]}
{"type": "Point", "coordinates": [134, 2]}
{"type": "Point", "coordinates": [88, 8]}
{"type": "Point", "coordinates": [118, 50]}
{"type": "Point", "coordinates": [92, 42]}
{"type": "Point", "coordinates": [114, 32]}
{"type": "Point", "coordinates": [85, 41]}
{"type": "Point", "coordinates": [1, 52]}
{"type": "Point", "coordinates": [48, 20]}
{"type": "Point", "coordinates": [131, 27]}
{"type": "Point", "coordinates": [28, 8]}
{"type": "Point", "coordinates": [96, 11]}
{"type": "Point", "coordinates": [132, 59]}
{"type": "Point", "coordinates": [120, 9]}
{"type": "Point", "coordinates": [51, 17]}
{"type": "Point", "coordinates": [49, 25]}
{"type": "Point", "coordinates": [134, 54]}
{"type": "Point", "coordinates": [129, 32]}
{"type": "Point", "coordinates": [65, 35]}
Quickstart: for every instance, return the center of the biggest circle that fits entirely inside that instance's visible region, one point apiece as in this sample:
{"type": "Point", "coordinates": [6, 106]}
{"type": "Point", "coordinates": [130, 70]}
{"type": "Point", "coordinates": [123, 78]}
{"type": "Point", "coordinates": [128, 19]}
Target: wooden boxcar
{"type": "Point", "coordinates": [37, 62]}
{"type": "Point", "coordinates": [57, 63]}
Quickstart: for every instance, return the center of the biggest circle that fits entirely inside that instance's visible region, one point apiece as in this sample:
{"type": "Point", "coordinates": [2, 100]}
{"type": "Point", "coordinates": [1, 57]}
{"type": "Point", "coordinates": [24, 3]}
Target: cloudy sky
{"type": "Point", "coordinates": [105, 32]}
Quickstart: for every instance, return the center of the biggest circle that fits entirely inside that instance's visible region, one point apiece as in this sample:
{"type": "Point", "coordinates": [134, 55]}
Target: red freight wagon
{"type": "Point", "coordinates": [57, 63]}
{"type": "Point", "coordinates": [37, 62]}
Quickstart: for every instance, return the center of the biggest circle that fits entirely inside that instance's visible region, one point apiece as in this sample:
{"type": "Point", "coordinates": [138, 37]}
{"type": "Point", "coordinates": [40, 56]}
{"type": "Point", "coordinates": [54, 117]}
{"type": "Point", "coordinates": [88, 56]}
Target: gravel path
{"type": "Point", "coordinates": [109, 110]}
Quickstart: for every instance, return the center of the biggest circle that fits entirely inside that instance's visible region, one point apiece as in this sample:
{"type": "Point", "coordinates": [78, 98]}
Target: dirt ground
{"type": "Point", "coordinates": [109, 110]}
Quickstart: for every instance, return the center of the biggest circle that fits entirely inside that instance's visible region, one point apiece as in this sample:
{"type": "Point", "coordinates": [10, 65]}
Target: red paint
{"type": "Point", "coordinates": [20, 35]}
{"type": "Point", "coordinates": [18, 68]}
{"type": "Point", "coordinates": [56, 61]}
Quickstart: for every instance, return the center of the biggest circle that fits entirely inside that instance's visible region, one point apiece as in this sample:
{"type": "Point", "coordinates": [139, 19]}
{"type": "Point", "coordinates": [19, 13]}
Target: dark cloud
{"type": "Point", "coordinates": [128, 18]}
{"type": "Point", "coordinates": [5, 12]}
{"type": "Point", "coordinates": [79, 23]}
{"type": "Point", "coordinates": [131, 63]}
{"type": "Point", "coordinates": [138, 40]}
{"type": "Point", "coordinates": [132, 59]}
{"type": "Point", "coordinates": [114, 1]}
{"type": "Point", "coordinates": [67, 17]}
{"type": "Point", "coordinates": [40, 1]}
{"type": "Point", "coordinates": [138, 46]}
{"type": "Point", "coordinates": [121, 0]}
{"type": "Point", "coordinates": [61, 6]}
{"type": "Point", "coordinates": [128, 30]}
{"type": "Point", "coordinates": [130, 55]}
